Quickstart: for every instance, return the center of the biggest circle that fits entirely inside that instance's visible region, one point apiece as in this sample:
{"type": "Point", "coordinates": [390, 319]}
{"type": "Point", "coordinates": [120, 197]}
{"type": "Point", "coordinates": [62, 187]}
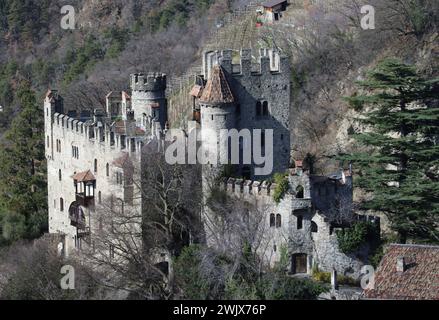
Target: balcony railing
{"type": "Point", "coordinates": [299, 204]}
{"type": "Point", "coordinates": [84, 200]}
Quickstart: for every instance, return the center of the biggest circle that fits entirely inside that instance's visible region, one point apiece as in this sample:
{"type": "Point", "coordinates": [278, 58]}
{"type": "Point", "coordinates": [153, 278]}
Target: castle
{"type": "Point", "coordinates": [87, 157]}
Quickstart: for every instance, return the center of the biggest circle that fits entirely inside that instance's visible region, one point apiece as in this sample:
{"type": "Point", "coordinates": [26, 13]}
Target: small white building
{"type": "Point", "coordinates": [272, 10]}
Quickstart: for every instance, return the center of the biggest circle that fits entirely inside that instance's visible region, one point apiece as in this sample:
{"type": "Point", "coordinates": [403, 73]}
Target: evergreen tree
{"type": "Point", "coordinates": [399, 159]}
{"type": "Point", "coordinates": [23, 207]}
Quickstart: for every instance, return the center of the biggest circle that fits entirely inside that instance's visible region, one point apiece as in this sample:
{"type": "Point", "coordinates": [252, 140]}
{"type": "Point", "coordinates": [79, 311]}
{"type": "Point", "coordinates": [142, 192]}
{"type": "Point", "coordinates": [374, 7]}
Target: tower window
{"type": "Point", "coordinates": [258, 109]}
{"type": "Point", "coordinates": [278, 220]}
{"type": "Point", "coordinates": [272, 220]}
{"type": "Point", "coordinates": [265, 108]}
{"type": "Point", "coordinates": [108, 170]}
{"type": "Point", "coordinates": [61, 204]}
{"type": "Point", "coordinates": [299, 222]}
{"type": "Point", "coordinates": [299, 192]}
{"type": "Point", "coordinates": [314, 227]}
{"type": "Point", "coordinates": [238, 109]}
{"type": "Point", "coordinates": [96, 165]}
{"type": "Point", "coordinates": [59, 175]}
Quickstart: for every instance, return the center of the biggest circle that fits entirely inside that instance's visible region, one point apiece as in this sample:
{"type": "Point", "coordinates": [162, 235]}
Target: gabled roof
{"type": "Point", "coordinates": [217, 88]}
{"type": "Point", "coordinates": [196, 91]}
{"type": "Point", "coordinates": [419, 281]}
{"type": "Point", "coordinates": [84, 176]}
{"type": "Point", "coordinates": [272, 3]}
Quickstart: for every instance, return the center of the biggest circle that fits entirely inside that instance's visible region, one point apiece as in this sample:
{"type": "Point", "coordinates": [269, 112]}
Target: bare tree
{"type": "Point", "coordinates": [137, 248]}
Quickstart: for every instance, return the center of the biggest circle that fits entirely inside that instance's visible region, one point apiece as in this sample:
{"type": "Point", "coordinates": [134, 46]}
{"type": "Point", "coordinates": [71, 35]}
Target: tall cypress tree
{"type": "Point", "coordinates": [23, 201]}
{"type": "Point", "coordinates": [398, 158]}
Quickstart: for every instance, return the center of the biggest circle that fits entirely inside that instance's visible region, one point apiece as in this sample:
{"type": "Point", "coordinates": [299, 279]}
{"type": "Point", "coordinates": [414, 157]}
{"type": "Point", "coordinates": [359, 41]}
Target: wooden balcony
{"type": "Point", "coordinates": [84, 200]}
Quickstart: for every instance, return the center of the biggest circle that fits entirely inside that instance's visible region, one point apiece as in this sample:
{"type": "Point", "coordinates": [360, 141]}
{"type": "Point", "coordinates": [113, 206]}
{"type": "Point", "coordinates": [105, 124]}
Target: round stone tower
{"type": "Point", "coordinates": [148, 98]}
{"type": "Point", "coordinates": [218, 112]}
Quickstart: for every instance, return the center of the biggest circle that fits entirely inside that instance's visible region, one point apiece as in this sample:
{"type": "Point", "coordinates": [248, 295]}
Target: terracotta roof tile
{"type": "Point", "coordinates": [196, 91]}
{"type": "Point", "coordinates": [217, 88]}
{"type": "Point", "coordinates": [420, 280]}
{"type": "Point", "coordinates": [84, 176]}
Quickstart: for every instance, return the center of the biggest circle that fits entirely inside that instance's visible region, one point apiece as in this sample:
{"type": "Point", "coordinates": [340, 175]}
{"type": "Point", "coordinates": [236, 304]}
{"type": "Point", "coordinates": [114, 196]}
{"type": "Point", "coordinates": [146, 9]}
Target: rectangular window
{"type": "Point", "coordinates": [299, 222]}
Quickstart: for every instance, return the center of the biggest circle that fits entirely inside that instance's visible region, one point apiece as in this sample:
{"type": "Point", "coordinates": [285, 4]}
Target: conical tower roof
{"type": "Point", "coordinates": [217, 89]}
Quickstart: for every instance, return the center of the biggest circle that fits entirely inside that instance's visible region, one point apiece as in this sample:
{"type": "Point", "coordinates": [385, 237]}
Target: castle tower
{"type": "Point", "coordinates": [53, 103]}
{"type": "Point", "coordinates": [218, 109]}
{"type": "Point", "coordinates": [148, 99]}
{"type": "Point", "coordinates": [262, 96]}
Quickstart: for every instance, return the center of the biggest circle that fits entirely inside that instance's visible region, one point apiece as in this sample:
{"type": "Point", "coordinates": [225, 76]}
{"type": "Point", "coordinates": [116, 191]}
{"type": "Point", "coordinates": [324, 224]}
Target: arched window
{"type": "Point", "coordinates": [99, 197]}
{"type": "Point", "coordinates": [96, 165]}
{"type": "Point", "coordinates": [61, 204]}
{"type": "Point", "coordinates": [48, 141]}
{"type": "Point", "coordinates": [314, 227]}
{"type": "Point", "coordinates": [299, 222]}
{"type": "Point", "coordinates": [265, 108]}
{"type": "Point", "coordinates": [258, 109]}
{"type": "Point", "coordinates": [278, 220]}
{"type": "Point", "coordinates": [299, 192]}
{"type": "Point", "coordinates": [59, 175]}
{"type": "Point", "coordinates": [108, 169]}
{"type": "Point", "coordinates": [272, 220]}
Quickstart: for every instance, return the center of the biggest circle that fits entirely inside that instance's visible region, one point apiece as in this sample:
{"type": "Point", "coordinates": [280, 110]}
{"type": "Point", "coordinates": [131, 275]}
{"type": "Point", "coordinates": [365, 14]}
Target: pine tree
{"type": "Point", "coordinates": [22, 172]}
{"type": "Point", "coordinates": [398, 160]}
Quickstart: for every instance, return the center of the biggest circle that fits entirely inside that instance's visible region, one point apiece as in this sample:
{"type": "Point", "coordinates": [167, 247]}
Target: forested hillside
{"type": "Point", "coordinates": [111, 40]}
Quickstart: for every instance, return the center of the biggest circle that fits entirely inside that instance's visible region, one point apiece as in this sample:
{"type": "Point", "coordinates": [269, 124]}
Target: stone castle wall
{"type": "Point", "coordinates": [62, 135]}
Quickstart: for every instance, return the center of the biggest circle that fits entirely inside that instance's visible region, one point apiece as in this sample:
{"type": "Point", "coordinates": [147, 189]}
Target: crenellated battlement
{"type": "Point", "coordinates": [240, 187]}
{"type": "Point", "coordinates": [250, 62]}
{"type": "Point", "coordinates": [112, 135]}
{"type": "Point", "coordinates": [151, 81]}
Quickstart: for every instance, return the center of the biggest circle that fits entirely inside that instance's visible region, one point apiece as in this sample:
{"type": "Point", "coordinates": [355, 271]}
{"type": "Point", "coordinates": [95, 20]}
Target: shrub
{"type": "Point", "coordinates": [351, 239]}
{"type": "Point", "coordinates": [188, 275]}
{"type": "Point", "coordinates": [282, 186]}
{"type": "Point", "coordinates": [325, 277]}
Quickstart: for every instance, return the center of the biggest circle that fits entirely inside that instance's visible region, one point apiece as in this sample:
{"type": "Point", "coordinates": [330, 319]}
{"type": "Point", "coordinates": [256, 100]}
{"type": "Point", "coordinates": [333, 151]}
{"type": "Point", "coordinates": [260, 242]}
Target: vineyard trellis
{"type": "Point", "coordinates": [178, 87]}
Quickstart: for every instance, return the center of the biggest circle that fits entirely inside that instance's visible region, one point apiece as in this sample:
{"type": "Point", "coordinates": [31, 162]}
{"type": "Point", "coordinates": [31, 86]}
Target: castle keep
{"type": "Point", "coordinates": [96, 158]}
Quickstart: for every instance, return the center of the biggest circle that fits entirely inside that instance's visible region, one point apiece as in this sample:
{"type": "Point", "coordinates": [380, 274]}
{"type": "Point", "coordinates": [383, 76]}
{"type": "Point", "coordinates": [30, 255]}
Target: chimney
{"type": "Point", "coordinates": [298, 167]}
{"type": "Point", "coordinates": [400, 264]}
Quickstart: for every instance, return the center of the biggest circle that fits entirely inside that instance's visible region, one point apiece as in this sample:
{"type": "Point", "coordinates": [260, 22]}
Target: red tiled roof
{"type": "Point", "coordinates": [420, 280]}
{"type": "Point", "coordinates": [119, 127]}
{"type": "Point", "coordinates": [298, 163]}
{"type": "Point", "coordinates": [217, 88]}
{"type": "Point", "coordinates": [196, 91]}
{"type": "Point", "coordinates": [84, 176]}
